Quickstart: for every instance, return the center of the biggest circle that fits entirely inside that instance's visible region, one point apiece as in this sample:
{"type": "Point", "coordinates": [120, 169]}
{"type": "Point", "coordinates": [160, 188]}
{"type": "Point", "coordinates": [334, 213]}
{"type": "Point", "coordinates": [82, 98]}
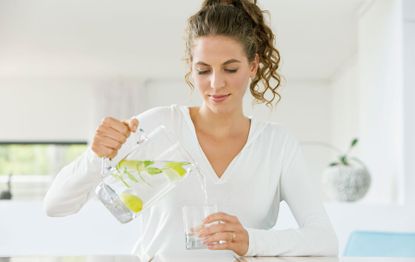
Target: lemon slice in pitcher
{"type": "Point", "coordinates": [177, 167]}
{"type": "Point", "coordinates": [132, 202]}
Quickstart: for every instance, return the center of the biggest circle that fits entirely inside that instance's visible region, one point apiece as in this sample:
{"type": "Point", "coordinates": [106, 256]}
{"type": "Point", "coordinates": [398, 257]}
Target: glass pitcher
{"type": "Point", "coordinates": [143, 171]}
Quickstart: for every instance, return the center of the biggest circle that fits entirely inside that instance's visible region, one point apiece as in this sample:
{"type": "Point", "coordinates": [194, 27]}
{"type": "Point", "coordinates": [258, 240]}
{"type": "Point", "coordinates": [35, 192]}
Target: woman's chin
{"type": "Point", "coordinates": [220, 108]}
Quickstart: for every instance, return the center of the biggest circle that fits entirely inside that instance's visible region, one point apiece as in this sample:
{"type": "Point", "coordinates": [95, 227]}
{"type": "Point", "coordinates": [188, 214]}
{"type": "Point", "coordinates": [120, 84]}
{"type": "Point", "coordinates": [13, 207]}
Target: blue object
{"type": "Point", "coordinates": [380, 244]}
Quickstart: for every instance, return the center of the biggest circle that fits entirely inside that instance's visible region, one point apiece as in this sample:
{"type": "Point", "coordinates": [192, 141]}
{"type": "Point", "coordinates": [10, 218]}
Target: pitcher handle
{"type": "Point", "coordinates": [107, 164]}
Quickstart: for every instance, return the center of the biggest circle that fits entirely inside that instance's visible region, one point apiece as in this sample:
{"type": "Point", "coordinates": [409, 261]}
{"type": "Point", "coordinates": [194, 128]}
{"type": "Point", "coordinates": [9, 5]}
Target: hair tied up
{"type": "Point", "coordinates": [213, 2]}
{"type": "Point", "coordinates": [236, 3]}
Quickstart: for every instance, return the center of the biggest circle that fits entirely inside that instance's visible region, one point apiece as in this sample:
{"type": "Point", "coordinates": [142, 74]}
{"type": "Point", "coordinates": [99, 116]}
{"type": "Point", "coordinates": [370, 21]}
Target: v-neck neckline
{"type": "Point", "coordinates": [212, 172]}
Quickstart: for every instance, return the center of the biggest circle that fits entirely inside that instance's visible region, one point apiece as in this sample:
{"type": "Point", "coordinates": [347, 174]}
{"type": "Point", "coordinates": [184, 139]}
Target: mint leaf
{"type": "Point", "coordinates": [153, 170]}
{"type": "Point", "coordinates": [148, 163]}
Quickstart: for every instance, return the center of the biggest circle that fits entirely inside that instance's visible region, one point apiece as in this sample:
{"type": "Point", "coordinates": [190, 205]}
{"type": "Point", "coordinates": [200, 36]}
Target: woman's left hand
{"type": "Point", "coordinates": [226, 233]}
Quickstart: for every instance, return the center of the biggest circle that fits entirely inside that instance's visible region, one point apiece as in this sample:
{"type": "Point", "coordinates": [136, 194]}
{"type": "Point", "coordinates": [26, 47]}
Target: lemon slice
{"type": "Point", "coordinates": [177, 167]}
{"type": "Point", "coordinates": [132, 202]}
{"type": "Point", "coordinates": [133, 164]}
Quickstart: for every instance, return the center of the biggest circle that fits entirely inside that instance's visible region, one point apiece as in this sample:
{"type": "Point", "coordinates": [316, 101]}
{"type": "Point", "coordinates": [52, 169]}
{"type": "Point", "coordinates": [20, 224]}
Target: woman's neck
{"type": "Point", "coordinates": [220, 125]}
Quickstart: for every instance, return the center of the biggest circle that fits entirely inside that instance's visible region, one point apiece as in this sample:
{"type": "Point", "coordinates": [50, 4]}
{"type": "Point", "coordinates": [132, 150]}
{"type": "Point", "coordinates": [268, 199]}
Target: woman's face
{"type": "Point", "coordinates": [221, 72]}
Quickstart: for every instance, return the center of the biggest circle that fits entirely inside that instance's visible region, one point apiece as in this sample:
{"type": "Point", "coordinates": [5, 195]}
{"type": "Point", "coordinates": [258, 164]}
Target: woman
{"type": "Point", "coordinates": [250, 166]}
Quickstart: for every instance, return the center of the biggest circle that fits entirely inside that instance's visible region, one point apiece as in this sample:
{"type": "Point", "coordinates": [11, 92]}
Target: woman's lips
{"type": "Point", "coordinates": [219, 98]}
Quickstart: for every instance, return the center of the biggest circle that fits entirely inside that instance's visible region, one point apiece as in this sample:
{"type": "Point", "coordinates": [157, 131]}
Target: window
{"type": "Point", "coordinates": [31, 166]}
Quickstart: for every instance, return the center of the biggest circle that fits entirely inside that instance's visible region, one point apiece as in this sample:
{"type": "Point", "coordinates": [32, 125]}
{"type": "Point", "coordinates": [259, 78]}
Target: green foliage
{"type": "Point", "coordinates": [354, 142]}
{"type": "Point", "coordinates": [36, 159]}
{"type": "Point", "coordinates": [344, 158]}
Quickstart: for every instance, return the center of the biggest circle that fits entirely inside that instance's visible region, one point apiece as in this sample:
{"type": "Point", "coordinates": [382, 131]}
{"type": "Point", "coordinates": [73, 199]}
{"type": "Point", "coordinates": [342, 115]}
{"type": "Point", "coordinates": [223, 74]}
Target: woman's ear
{"type": "Point", "coordinates": [254, 66]}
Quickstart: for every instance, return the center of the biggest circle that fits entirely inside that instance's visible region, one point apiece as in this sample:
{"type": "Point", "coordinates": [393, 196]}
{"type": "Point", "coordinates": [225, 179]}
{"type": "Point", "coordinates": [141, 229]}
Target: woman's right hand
{"type": "Point", "coordinates": [111, 135]}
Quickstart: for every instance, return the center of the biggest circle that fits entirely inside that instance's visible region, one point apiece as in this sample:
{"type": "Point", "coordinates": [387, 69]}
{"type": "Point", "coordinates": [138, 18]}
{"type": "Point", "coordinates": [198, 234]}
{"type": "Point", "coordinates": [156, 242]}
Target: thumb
{"type": "Point", "coordinates": [132, 124]}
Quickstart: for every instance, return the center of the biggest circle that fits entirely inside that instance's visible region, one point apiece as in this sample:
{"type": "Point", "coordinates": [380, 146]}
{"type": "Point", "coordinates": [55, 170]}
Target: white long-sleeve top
{"type": "Point", "coordinates": [269, 169]}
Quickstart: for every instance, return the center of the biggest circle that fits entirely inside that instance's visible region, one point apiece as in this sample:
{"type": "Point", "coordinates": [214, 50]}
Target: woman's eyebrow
{"type": "Point", "coordinates": [202, 64]}
{"type": "Point", "coordinates": [230, 61]}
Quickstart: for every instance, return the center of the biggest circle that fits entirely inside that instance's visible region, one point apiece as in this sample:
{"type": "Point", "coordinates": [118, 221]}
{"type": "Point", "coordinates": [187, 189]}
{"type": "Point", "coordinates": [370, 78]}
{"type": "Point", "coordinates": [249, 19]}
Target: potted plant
{"type": "Point", "coordinates": [347, 178]}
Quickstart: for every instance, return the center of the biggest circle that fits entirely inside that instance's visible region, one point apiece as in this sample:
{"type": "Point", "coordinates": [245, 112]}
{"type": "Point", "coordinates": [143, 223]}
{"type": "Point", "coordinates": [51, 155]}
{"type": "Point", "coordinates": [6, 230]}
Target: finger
{"type": "Point", "coordinates": [113, 154]}
{"type": "Point", "coordinates": [220, 216]}
{"type": "Point", "coordinates": [110, 143]}
{"type": "Point", "coordinates": [105, 144]}
{"type": "Point", "coordinates": [112, 133]}
{"type": "Point", "coordinates": [117, 125]}
{"type": "Point", "coordinates": [218, 228]}
{"type": "Point", "coordinates": [223, 236]}
{"type": "Point", "coordinates": [102, 151]}
{"type": "Point", "coordinates": [221, 245]}
{"type": "Point", "coordinates": [101, 142]}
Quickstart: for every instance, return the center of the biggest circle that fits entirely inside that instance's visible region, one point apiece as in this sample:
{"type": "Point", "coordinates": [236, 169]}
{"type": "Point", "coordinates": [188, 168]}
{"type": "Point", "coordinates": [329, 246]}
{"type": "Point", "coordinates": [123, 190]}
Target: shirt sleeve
{"type": "Point", "coordinates": [315, 235]}
{"type": "Point", "coordinates": [76, 182]}
{"type": "Point", "coordinates": [73, 185]}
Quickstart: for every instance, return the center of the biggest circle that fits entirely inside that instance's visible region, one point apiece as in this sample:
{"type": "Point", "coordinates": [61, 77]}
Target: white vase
{"type": "Point", "coordinates": [347, 182]}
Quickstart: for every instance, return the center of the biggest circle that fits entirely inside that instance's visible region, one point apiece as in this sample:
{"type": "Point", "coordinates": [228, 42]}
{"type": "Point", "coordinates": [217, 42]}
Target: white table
{"type": "Point", "coordinates": [199, 259]}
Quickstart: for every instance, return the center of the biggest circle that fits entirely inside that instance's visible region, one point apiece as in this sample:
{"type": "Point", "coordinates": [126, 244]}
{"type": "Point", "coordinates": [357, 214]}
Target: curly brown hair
{"type": "Point", "coordinates": [243, 21]}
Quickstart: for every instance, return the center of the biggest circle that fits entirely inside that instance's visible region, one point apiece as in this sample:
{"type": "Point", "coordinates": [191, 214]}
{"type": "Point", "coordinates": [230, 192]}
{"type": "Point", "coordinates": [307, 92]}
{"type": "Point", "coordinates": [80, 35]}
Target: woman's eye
{"type": "Point", "coordinates": [202, 72]}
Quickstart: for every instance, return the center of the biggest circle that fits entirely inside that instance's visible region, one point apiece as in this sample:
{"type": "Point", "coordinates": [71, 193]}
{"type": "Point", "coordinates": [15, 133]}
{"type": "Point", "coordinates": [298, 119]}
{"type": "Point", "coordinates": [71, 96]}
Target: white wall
{"type": "Point", "coordinates": [380, 98]}
{"type": "Point", "coordinates": [345, 105]}
{"type": "Point", "coordinates": [304, 108]}
{"type": "Point", "coordinates": [45, 109]}
{"type": "Point", "coordinates": [409, 98]}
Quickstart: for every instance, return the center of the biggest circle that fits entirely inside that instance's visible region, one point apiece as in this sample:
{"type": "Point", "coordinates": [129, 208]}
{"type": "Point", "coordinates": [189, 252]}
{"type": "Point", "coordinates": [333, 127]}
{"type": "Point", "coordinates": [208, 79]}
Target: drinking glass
{"type": "Point", "coordinates": [192, 218]}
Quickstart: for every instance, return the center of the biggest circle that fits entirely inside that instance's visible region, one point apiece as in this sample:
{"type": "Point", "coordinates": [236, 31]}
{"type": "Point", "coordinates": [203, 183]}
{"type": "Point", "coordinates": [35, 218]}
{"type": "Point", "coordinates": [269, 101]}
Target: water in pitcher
{"type": "Point", "coordinates": [136, 184]}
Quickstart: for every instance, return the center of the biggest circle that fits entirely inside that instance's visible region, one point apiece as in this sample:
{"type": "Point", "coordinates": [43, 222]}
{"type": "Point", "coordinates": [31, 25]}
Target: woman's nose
{"type": "Point", "coordinates": [217, 81]}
